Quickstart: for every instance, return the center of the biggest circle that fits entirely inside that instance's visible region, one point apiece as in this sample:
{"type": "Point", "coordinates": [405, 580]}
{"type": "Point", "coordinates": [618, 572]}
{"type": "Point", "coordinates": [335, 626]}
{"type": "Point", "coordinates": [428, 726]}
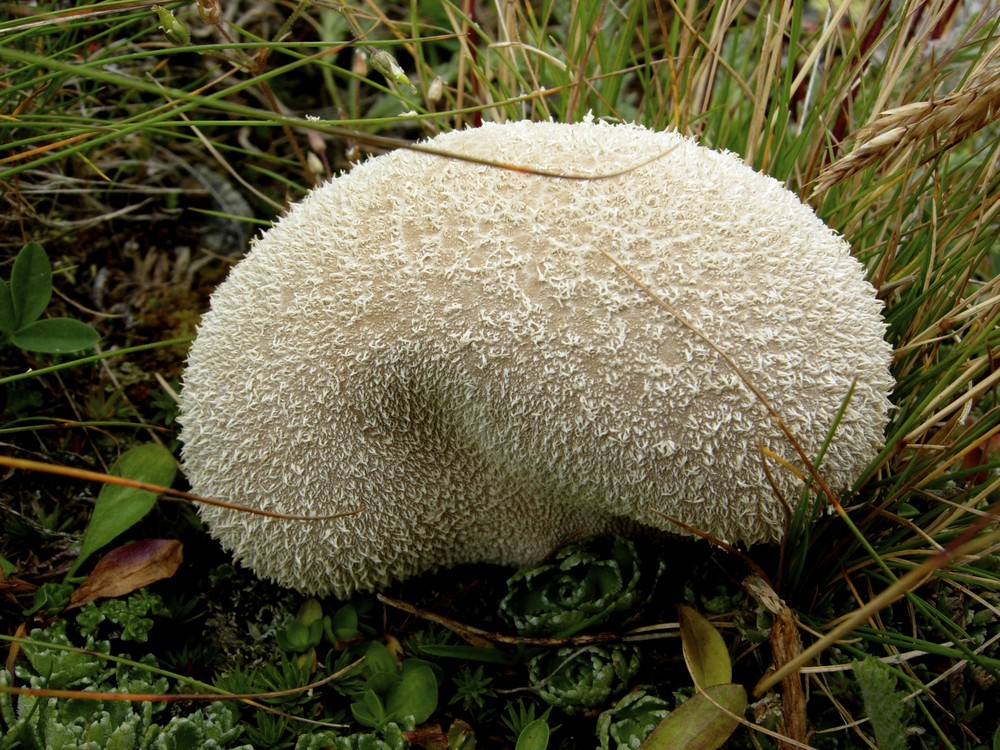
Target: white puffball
{"type": "Point", "coordinates": [445, 347]}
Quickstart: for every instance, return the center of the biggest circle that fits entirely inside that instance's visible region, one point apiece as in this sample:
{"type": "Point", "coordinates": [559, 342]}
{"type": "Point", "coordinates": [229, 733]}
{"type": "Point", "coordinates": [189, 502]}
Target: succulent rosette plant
{"type": "Point", "coordinates": [578, 679]}
{"type": "Point", "coordinates": [630, 720]}
{"type": "Point", "coordinates": [584, 584]}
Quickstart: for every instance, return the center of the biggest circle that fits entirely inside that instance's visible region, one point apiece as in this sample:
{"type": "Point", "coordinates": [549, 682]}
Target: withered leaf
{"type": "Point", "coordinates": [128, 568]}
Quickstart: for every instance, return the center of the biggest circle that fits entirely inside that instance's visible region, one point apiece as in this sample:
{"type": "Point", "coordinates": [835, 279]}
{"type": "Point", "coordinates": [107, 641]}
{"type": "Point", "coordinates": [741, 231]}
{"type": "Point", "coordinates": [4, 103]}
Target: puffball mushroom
{"type": "Point", "coordinates": [452, 349]}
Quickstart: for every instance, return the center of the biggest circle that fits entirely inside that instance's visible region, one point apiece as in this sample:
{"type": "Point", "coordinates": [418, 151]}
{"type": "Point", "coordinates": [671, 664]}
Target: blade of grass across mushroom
{"type": "Point", "coordinates": [169, 492]}
{"type": "Point", "coordinates": [801, 519]}
{"type": "Point", "coordinates": [810, 465]}
{"type": "Point", "coordinates": [158, 116]}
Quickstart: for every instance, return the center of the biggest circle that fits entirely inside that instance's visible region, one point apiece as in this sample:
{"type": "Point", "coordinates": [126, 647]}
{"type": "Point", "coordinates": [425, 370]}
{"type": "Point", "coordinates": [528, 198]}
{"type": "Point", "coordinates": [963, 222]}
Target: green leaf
{"type": "Point", "coordinates": [705, 652]}
{"type": "Point", "coordinates": [55, 336]}
{"type": "Point", "coordinates": [698, 723]}
{"type": "Point", "coordinates": [344, 625]}
{"type": "Point", "coordinates": [382, 682]}
{"type": "Point", "coordinates": [305, 631]}
{"type": "Point", "coordinates": [30, 284]}
{"type": "Point", "coordinates": [8, 319]}
{"type": "Point", "coordinates": [294, 637]}
{"type": "Point", "coordinates": [368, 710]}
{"type": "Point", "coordinates": [884, 705]}
{"type": "Point", "coordinates": [311, 611]}
{"type": "Point", "coordinates": [50, 597]}
{"type": "Point", "coordinates": [469, 653]}
{"type": "Point", "coordinates": [378, 659]}
{"type": "Point", "coordinates": [416, 695]}
{"type": "Point", "coordinates": [535, 736]}
{"type": "Point", "coordinates": [119, 508]}
{"type": "Point", "coordinates": [412, 663]}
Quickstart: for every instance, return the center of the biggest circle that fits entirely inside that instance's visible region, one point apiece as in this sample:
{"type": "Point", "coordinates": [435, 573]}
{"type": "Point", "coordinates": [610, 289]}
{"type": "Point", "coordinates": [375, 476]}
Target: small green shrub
{"type": "Point", "coordinates": [404, 694]}
{"type": "Point", "coordinates": [630, 721]}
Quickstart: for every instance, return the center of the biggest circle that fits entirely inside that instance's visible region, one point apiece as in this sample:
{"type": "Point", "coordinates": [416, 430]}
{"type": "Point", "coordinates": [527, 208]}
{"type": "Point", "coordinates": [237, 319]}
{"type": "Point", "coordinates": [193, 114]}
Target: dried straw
{"type": "Point", "coordinates": [890, 137]}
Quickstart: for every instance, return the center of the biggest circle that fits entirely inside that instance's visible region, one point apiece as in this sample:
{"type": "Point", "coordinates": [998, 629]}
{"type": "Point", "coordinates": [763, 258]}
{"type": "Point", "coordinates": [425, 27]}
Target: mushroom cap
{"type": "Point", "coordinates": [445, 347]}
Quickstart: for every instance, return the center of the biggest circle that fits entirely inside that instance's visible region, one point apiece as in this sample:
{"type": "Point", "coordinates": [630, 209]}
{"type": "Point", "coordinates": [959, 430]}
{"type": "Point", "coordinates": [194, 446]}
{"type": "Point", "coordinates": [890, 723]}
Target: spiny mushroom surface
{"type": "Point", "coordinates": [444, 346]}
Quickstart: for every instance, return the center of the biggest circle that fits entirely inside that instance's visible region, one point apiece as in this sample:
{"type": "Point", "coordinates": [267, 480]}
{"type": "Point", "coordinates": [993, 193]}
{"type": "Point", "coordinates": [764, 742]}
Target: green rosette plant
{"type": "Point", "coordinates": [52, 661]}
{"type": "Point", "coordinates": [390, 737]}
{"type": "Point", "coordinates": [630, 721]}
{"type": "Point", "coordinates": [583, 585]}
{"type": "Point", "coordinates": [576, 680]}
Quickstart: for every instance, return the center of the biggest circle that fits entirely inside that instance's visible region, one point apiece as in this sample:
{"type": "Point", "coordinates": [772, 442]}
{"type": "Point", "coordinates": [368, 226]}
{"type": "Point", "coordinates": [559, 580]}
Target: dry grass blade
{"type": "Point", "coordinates": [168, 492]}
{"type": "Point", "coordinates": [250, 699]}
{"type": "Point", "coordinates": [786, 645]}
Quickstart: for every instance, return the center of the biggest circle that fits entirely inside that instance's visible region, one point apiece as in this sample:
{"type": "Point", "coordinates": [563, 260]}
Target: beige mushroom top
{"type": "Point", "coordinates": [447, 347]}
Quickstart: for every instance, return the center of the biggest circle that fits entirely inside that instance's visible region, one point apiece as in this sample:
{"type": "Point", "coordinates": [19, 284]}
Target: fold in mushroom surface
{"type": "Point", "coordinates": [447, 348]}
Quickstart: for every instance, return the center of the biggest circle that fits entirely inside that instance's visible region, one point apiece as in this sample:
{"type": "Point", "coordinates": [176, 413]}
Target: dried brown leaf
{"type": "Point", "coordinates": [128, 568]}
{"type": "Point", "coordinates": [15, 647]}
